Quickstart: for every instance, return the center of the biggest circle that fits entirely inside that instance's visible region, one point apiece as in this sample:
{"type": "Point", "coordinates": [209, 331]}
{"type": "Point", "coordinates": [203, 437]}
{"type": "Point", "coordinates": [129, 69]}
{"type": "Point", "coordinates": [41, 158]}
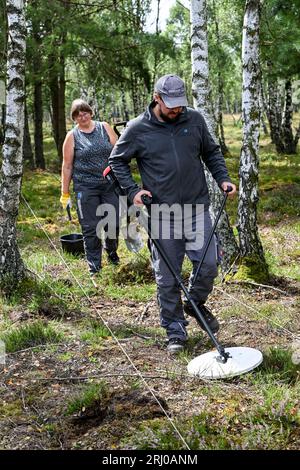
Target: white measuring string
{"type": "Point", "coordinates": [107, 325]}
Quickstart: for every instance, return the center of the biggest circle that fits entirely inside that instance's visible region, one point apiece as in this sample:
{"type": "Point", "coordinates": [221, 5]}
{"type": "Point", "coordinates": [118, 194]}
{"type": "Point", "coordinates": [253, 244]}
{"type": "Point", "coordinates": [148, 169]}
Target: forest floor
{"type": "Point", "coordinates": [87, 368]}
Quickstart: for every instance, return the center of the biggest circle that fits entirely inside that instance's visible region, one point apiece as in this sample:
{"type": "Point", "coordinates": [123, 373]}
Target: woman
{"type": "Point", "coordinates": [85, 155]}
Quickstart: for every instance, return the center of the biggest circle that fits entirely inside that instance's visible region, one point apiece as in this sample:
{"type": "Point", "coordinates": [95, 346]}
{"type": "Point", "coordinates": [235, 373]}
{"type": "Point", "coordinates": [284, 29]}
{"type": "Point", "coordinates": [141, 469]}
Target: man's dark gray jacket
{"type": "Point", "coordinates": [169, 158]}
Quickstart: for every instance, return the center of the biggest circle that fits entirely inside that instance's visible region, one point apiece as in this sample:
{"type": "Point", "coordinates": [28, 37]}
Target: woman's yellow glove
{"type": "Point", "coordinates": [65, 200]}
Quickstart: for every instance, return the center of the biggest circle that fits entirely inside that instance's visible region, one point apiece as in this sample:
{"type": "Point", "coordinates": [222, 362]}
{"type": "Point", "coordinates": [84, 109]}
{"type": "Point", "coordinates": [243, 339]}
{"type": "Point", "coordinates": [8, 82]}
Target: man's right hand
{"type": "Point", "coordinates": [137, 201]}
{"type": "Point", "coordinates": [65, 200]}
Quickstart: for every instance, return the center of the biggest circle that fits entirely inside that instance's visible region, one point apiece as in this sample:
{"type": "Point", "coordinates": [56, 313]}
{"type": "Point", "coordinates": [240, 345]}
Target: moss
{"type": "Point", "coordinates": [9, 284]}
{"type": "Point", "coordinates": [11, 409]}
{"type": "Point", "coordinates": [135, 270]}
{"type": "Point", "coordinates": [252, 268]}
{"type": "Point", "coordinates": [254, 115]}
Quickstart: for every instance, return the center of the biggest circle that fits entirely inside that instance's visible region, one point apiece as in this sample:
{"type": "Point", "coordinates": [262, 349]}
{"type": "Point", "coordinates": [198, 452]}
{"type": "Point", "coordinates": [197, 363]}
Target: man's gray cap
{"type": "Point", "coordinates": [172, 90]}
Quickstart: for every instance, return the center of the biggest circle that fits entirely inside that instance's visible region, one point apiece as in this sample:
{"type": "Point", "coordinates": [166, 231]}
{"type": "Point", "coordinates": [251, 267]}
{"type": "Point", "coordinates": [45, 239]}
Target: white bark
{"type": "Point", "coordinates": [202, 102]}
{"type": "Point", "coordinates": [200, 67]}
{"type": "Point", "coordinates": [12, 167]}
{"type": "Point", "coordinates": [250, 244]}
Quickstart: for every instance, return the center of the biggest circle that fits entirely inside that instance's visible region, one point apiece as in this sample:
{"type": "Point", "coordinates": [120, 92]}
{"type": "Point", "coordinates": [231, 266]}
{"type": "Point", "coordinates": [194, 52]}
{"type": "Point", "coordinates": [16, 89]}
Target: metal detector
{"type": "Point", "coordinates": [119, 124]}
{"type": "Point", "coordinates": [219, 363]}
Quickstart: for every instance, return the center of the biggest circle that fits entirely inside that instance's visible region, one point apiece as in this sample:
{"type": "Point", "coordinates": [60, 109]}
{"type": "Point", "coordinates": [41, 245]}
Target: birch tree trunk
{"type": "Point", "coordinates": [202, 102]}
{"type": "Point", "coordinates": [11, 266]}
{"type": "Point", "coordinates": [253, 262]}
{"type": "Point", "coordinates": [220, 87]}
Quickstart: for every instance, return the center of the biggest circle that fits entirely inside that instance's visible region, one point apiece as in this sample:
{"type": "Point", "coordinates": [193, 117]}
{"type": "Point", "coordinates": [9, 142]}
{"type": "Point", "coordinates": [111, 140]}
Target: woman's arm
{"type": "Point", "coordinates": [67, 166]}
{"type": "Point", "coordinates": [111, 133]}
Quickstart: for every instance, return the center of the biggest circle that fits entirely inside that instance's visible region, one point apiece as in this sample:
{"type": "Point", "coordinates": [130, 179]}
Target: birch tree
{"type": "Point", "coordinates": [202, 102]}
{"type": "Point", "coordinates": [251, 250]}
{"type": "Point", "coordinates": [220, 84]}
{"type": "Point", "coordinates": [11, 265]}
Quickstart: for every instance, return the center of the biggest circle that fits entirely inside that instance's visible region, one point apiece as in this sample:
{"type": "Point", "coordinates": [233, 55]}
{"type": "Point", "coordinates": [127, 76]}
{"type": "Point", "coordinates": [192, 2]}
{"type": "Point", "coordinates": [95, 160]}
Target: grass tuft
{"type": "Point", "coordinates": [31, 334]}
{"type": "Point", "coordinates": [278, 364]}
{"type": "Point", "coordinates": [89, 395]}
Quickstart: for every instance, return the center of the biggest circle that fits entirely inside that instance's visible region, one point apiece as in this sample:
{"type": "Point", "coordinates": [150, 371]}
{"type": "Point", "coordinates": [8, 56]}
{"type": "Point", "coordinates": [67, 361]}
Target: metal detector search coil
{"type": "Point", "coordinates": [240, 361]}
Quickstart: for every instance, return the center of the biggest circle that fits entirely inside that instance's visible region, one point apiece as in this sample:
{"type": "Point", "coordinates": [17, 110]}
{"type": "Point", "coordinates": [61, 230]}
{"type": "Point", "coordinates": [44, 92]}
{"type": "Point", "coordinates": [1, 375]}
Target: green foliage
{"type": "Point", "coordinates": [204, 432]}
{"type": "Point", "coordinates": [12, 409]}
{"type": "Point", "coordinates": [276, 315]}
{"type": "Point", "coordinates": [264, 417]}
{"type": "Point", "coordinates": [38, 297]}
{"type": "Point", "coordinates": [280, 38]}
{"type": "Point", "coordinates": [105, 50]}
{"type": "Point", "coordinates": [102, 49]}
{"type": "Point", "coordinates": [178, 60]}
{"type": "Point", "coordinates": [95, 332]}
{"type": "Point", "coordinates": [89, 395]}
{"type": "Point", "coordinates": [136, 270]}
{"type": "Point", "coordinates": [29, 335]}
{"type": "Point", "coordinates": [282, 261]}
{"type": "Point", "coordinates": [224, 49]}
{"type": "Point", "coordinates": [252, 268]}
{"type": "Point", "coordinates": [285, 201]}
{"type": "Point", "coordinates": [278, 365]}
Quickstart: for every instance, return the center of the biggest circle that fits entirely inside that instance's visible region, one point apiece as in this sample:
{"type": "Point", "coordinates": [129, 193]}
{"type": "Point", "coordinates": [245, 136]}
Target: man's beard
{"type": "Point", "coordinates": [167, 118]}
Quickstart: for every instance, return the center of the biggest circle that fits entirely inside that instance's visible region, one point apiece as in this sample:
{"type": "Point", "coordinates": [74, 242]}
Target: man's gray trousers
{"type": "Point", "coordinates": [168, 293]}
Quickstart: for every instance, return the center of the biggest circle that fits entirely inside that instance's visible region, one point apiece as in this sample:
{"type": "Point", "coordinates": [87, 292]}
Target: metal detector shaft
{"type": "Point", "coordinates": [144, 222]}
{"type": "Point", "coordinates": [210, 236]}
{"type": "Point", "coordinates": [144, 219]}
{"type": "Point", "coordinates": [69, 212]}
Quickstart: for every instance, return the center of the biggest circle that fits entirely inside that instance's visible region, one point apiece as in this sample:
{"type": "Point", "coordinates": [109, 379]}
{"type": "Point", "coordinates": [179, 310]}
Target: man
{"type": "Point", "coordinates": [169, 142]}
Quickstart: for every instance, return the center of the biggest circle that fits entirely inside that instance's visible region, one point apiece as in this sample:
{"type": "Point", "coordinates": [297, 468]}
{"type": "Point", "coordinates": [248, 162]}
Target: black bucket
{"type": "Point", "coordinates": [72, 243]}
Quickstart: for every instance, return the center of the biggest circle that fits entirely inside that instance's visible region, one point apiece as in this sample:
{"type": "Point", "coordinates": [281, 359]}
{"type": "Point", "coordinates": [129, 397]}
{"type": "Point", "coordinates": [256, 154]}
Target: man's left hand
{"type": "Point", "coordinates": [225, 185]}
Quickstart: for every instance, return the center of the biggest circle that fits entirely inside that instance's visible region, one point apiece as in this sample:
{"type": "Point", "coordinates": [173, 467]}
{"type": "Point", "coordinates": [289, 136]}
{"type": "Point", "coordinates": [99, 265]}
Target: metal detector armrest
{"type": "Point", "coordinates": [110, 177]}
{"type": "Point", "coordinates": [119, 124]}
